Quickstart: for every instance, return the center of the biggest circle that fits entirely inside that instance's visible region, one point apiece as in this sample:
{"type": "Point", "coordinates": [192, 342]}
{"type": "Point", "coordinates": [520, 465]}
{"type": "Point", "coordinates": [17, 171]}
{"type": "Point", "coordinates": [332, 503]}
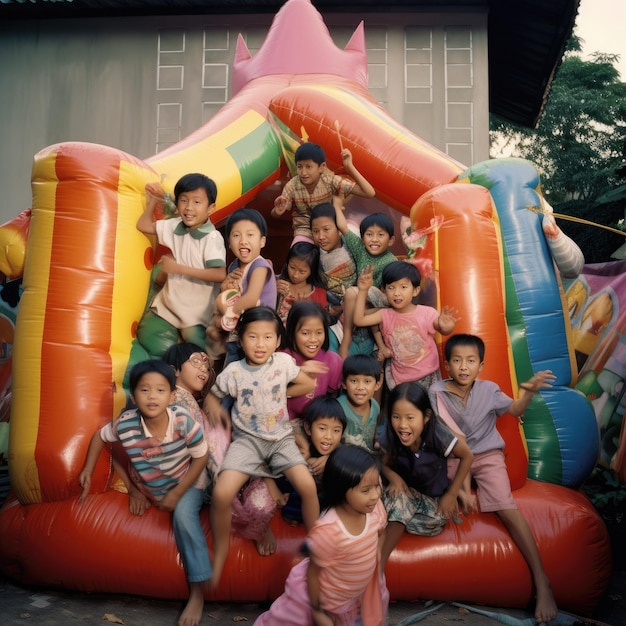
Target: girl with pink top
{"type": "Point", "coordinates": [308, 340]}
{"type": "Point", "coordinates": [340, 581]}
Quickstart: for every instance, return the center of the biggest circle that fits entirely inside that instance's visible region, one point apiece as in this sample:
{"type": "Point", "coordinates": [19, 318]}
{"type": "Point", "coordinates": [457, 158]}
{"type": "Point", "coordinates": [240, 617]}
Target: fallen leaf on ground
{"type": "Point", "coordinates": [110, 617]}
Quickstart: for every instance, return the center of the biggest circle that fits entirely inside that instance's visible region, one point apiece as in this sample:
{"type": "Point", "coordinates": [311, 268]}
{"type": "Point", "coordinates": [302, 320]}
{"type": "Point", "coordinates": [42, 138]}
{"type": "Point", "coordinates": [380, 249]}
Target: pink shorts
{"type": "Point", "coordinates": [492, 481]}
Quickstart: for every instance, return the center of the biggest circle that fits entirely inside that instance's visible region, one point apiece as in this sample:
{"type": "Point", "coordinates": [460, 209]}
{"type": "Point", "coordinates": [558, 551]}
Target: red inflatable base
{"type": "Point", "coordinates": [99, 546]}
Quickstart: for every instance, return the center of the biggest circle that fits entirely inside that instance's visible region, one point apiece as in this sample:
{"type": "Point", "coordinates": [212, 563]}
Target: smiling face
{"type": "Point", "coordinates": [152, 395]}
{"type": "Point", "coordinates": [400, 294]}
{"type": "Point", "coordinates": [363, 498]}
{"type": "Point", "coordinates": [326, 235]}
{"type": "Point", "coordinates": [310, 336]}
{"type": "Point", "coordinates": [246, 241]}
{"type": "Point", "coordinates": [259, 341]}
{"type": "Point", "coordinates": [408, 423]}
{"type": "Point", "coordinates": [194, 207]}
{"type": "Point", "coordinates": [377, 240]}
{"type": "Point", "coordinates": [309, 173]}
{"type": "Point", "coordinates": [325, 434]}
{"type": "Point", "coordinates": [194, 373]}
{"type": "Point", "coordinates": [360, 390]}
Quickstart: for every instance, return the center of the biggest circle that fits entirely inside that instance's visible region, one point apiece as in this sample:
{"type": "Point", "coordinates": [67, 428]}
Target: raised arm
{"type": "Point", "coordinates": [362, 186]}
{"type": "Point", "coordinates": [540, 380]}
{"type": "Point", "coordinates": [447, 320]}
{"type": "Point", "coordinates": [361, 318]}
{"type": "Point", "coordinates": [154, 195]}
{"type": "Point", "coordinates": [338, 203]}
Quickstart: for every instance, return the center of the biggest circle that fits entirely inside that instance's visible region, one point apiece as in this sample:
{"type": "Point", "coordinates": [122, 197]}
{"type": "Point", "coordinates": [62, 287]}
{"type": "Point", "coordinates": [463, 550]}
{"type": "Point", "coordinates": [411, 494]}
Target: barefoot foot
{"type": "Point", "coordinates": [267, 544]}
{"type": "Point", "coordinates": [192, 613]}
{"type": "Point", "coordinates": [545, 606]}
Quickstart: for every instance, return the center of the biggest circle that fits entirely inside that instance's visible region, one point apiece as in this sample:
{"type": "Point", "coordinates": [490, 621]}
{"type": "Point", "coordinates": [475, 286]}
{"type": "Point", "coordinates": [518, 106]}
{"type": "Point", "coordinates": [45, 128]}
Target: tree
{"type": "Point", "coordinates": [578, 147]}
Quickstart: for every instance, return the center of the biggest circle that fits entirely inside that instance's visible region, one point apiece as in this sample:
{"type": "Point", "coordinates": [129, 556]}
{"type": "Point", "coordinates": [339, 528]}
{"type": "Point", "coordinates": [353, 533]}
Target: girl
{"type": "Point", "coordinates": [254, 506]}
{"type": "Point", "coordinates": [263, 442]}
{"type": "Point", "coordinates": [419, 497]}
{"type": "Point", "coordinates": [340, 581]}
{"type": "Point", "coordinates": [324, 422]}
{"type": "Point", "coordinates": [165, 454]}
{"type": "Point", "coordinates": [300, 279]}
{"type": "Point", "coordinates": [307, 341]}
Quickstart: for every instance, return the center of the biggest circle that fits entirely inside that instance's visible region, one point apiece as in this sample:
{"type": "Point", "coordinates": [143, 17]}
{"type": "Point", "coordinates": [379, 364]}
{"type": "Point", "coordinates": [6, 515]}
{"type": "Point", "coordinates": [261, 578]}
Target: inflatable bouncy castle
{"type": "Point", "coordinates": [485, 243]}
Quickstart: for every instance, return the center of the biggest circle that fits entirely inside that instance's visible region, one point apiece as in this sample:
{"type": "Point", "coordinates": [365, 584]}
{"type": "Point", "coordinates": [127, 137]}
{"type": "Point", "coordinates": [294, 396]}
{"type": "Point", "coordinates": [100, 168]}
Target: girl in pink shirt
{"type": "Point", "coordinates": [340, 582]}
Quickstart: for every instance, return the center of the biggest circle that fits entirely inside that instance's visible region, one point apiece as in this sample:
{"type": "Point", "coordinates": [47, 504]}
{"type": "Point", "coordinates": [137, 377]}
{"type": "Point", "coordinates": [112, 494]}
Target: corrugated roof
{"type": "Point", "coordinates": [526, 37]}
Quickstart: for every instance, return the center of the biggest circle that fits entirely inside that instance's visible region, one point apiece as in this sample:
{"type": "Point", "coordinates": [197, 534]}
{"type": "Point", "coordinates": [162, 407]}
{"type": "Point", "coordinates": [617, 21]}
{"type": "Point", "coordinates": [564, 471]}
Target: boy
{"type": "Point", "coordinates": [408, 329]}
{"type": "Point", "coordinates": [251, 275]}
{"type": "Point", "coordinates": [470, 407]}
{"type": "Point", "coordinates": [315, 184]}
{"type": "Point", "coordinates": [371, 249]}
{"type": "Point", "coordinates": [362, 378]}
{"type": "Point", "coordinates": [184, 306]}
{"type": "Point", "coordinates": [166, 453]}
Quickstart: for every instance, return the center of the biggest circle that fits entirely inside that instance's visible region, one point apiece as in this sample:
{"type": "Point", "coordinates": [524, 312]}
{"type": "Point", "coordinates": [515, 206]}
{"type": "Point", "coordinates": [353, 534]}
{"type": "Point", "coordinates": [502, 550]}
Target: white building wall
{"type": "Point", "coordinates": [142, 84]}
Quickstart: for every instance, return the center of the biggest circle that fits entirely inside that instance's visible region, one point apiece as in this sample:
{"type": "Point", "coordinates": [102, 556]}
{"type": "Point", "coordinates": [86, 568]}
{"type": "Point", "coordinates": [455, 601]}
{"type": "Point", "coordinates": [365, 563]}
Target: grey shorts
{"type": "Point", "coordinates": [259, 457]}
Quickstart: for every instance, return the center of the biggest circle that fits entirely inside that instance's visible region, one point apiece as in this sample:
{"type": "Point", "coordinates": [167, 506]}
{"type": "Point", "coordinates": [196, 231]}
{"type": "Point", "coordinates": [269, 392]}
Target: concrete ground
{"type": "Point", "coordinates": [20, 606]}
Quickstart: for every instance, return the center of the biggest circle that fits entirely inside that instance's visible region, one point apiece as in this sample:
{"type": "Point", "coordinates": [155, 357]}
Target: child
{"type": "Point", "coordinates": [408, 329]}
{"type": "Point", "coordinates": [470, 407]}
{"type": "Point", "coordinates": [336, 263]}
{"type": "Point", "coordinates": [194, 375]}
{"type": "Point", "coordinates": [362, 378]}
{"type": "Point", "coordinates": [307, 340]}
{"type": "Point", "coordinates": [300, 279]}
{"type": "Point", "coordinates": [372, 249]}
{"type": "Point", "coordinates": [184, 306]}
{"type": "Point", "coordinates": [324, 422]}
{"type": "Point", "coordinates": [340, 582]}
{"type": "Point", "coordinates": [315, 184]}
{"type": "Point", "coordinates": [166, 454]}
{"type": "Point", "coordinates": [419, 497]}
{"type": "Point", "coordinates": [263, 442]}
{"type": "Point", "coordinates": [250, 274]}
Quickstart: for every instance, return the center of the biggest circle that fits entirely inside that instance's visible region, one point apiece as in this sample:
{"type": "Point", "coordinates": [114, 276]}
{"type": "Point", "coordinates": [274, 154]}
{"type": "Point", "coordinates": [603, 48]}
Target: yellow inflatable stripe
{"type": "Point", "coordinates": [362, 107]}
{"type": "Point", "coordinates": [29, 335]}
{"type": "Point", "coordinates": [211, 157]}
{"type": "Point", "coordinates": [130, 288]}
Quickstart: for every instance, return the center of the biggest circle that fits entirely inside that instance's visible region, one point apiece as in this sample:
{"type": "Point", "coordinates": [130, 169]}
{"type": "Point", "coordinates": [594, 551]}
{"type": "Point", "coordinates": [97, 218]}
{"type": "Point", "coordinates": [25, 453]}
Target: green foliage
{"type": "Point", "coordinates": [606, 493]}
{"type": "Point", "coordinates": [578, 147]}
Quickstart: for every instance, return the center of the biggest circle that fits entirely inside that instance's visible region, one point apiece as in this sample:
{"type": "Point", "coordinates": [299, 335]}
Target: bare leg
{"type": "Point", "coordinates": [516, 524]}
{"type": "Point", "coordinates": [229, 482]}
{"type": "Point", "coordinates": [192, 613]}
{"type": "Point", "coordinates": [349, 304]}
{"type": "Point", "coordinates": [300, 477]}
{"type": "Point", "coordinates": [393, 532]}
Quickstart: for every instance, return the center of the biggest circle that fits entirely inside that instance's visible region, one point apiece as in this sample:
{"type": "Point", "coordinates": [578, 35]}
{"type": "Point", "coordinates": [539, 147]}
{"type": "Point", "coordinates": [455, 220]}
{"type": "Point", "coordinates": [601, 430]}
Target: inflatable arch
{"type": "Point", "coordinates": [87, 277]}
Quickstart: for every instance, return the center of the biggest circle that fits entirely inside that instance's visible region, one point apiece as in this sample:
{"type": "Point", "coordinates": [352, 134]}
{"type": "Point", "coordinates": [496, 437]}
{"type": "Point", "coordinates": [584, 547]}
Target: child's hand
{"type": "Point", "coordinates": [84, 480]}
{"type": "Point", "coordinates": [397, 486]}
{"type": "Point", "coordinates": [383, 353]}
{"type": "Point", "coordinates": [313, 368]}
{"type": "Point", "coordinates": [448, 507]}
{"type": "Point", "coordinates": [366, 278]}
{"type": "Point", "coordinates": [281, 204]}
{"type": "Point", "coordinates": [317, 465]}
{"type": "Point", "coordinates": [322, 619]}
{"type": "Point", "coordinates": [154, 193]}
{"type": "Point", "coordinates": [169, 501]}
{"type": "Point", "coordinates": [216, 414]}
{"type": "Point", "coordinates": [469, 502]}
{"type": "Point", "coordinates": [447, 320]}
{"type": "Point", "coordinates": [168, 264]}
{"type": "Point", "coordinates": [539, 380]}
{"type": "Point", "coordinates": [232, 281]}
{"type": "Point", "coordinates": [282, 286]}
{"type": "Point", "coordinates": [346, 157]}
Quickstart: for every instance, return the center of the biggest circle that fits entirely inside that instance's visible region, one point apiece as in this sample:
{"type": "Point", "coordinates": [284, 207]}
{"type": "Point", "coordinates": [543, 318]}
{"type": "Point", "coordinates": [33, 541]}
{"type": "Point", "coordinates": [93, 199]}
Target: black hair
{"type": "Point", "coordinates": [260, 314]}
{"type": "Point", "coordinates": [344, 470]}
{"type": "Point", "coordinates": [148, 367]}
{"type": "Point", "coordinates": [361, 365]}
{"type": "Point", "coordinates": [323, 210]}
{"type": "Point", "coordinates": [300, 310]}
{"type": "Point", "coordinates": [376, 219]}
{"type": "Point", "coordinates": [311, 151]}
{"type": "Point", "coordinates": [189, 182]}
{"type": "Point", "coordinates": [310, 253]}
{"type": "Point", "coordinates": [461, 339]}
{"type": "Point", "coordinates": [251, 215]}
{"type": "Point", "coordinates": [323, 406]}
{"type": "Point", "coordinates": [397, 270]}
{"type": "Point", "coordinates": [417, 395]}
{"type": "Point", "coordinates": [179, 353]}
